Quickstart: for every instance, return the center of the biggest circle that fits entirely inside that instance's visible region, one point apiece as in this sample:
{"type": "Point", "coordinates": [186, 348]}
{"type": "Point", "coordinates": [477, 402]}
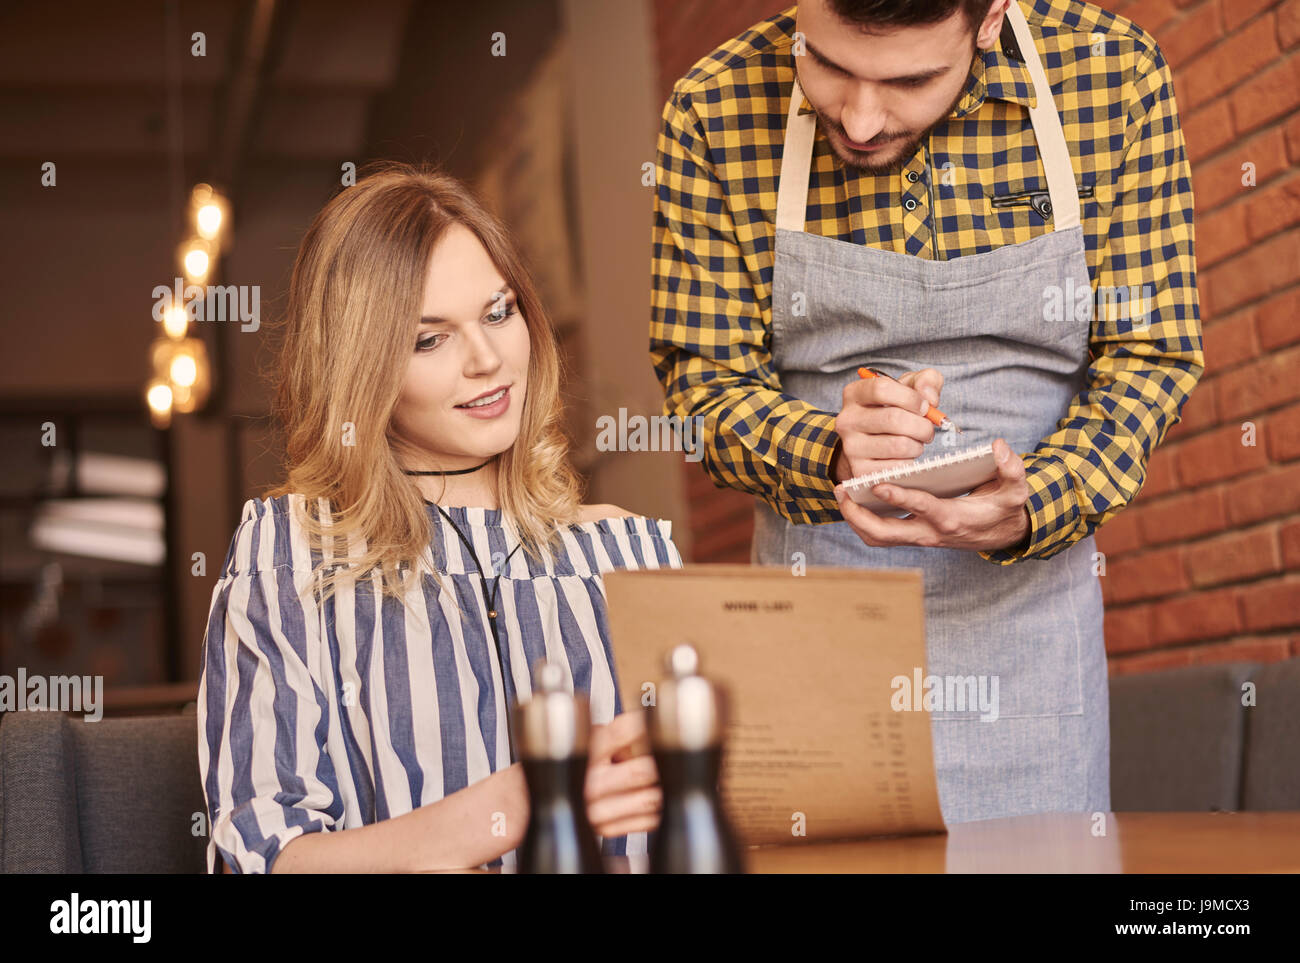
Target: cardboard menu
{"type": "Point", "coordinates": [807, 662]}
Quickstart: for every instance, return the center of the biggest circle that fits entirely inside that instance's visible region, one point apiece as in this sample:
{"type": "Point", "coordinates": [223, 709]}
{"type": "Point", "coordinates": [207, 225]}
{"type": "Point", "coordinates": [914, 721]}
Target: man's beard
{"type": "Point", "coordinates": [862, 160]}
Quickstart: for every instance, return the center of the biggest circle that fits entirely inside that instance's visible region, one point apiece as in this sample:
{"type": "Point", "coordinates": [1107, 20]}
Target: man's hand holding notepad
{"type": "Point", "coordinates": [943, 476]}
{"type": "Point", "coordinates": [990, 517]}
{"type": "Point", "coordinates": [891, 493]}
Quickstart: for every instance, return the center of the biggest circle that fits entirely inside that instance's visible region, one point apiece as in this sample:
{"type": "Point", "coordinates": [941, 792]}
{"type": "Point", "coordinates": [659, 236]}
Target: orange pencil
{"type": "Point", "coordinates": [936, 416]}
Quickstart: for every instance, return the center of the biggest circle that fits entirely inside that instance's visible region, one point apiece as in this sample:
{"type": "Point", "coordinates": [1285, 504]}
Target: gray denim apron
{"type": "Point", "coordinates": [1037, 624]}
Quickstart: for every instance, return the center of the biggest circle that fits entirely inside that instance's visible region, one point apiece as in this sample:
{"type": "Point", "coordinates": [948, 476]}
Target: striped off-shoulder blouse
{"type": "Point", "coordinates": [328, 717]}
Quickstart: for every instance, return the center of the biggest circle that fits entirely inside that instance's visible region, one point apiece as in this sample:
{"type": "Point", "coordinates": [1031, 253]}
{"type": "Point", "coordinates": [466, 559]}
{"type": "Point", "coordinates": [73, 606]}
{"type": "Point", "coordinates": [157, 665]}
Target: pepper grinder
{"type": "Point", "coordinates": [552, 730]}
{"type": "Point", "coordinates": [686, 728]}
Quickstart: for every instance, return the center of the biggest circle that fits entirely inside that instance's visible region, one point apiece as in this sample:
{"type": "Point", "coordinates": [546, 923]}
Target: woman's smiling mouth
{"type": "Point", "coordinates": [489, 404]}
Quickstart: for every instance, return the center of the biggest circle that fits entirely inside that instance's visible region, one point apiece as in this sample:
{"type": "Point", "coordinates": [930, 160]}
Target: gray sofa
{"type": "Point", "coordinates": [113, 796]}
{"type": "Point", "coordinates": [1182, 739]}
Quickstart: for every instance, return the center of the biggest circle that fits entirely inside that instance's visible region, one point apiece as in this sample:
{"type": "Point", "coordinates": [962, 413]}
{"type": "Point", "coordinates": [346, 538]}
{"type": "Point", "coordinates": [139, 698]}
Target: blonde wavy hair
{"type": "Point", "coordinates": [349, 332]}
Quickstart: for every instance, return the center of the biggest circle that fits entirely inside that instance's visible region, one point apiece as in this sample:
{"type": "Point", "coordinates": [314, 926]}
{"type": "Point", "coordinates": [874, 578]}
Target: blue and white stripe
{"type": "Point", "coordinates": [330, 717]}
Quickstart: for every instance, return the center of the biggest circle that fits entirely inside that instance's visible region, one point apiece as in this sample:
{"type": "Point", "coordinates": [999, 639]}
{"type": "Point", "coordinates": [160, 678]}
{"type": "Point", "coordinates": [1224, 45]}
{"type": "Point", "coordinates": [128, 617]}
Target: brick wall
{"type": "Point", "coordinates": [1204, 566]}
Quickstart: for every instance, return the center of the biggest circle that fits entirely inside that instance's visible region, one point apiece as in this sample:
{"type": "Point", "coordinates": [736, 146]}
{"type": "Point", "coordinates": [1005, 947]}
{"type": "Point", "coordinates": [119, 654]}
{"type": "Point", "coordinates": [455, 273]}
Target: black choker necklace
{"type": "Point", "coordinates": [459, 471]}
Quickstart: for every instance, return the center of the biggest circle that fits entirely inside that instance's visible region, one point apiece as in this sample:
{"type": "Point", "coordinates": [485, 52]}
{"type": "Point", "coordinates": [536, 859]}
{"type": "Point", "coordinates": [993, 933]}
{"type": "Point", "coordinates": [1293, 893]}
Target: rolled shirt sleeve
{"type": "Point", "coordinates": [262, 715]}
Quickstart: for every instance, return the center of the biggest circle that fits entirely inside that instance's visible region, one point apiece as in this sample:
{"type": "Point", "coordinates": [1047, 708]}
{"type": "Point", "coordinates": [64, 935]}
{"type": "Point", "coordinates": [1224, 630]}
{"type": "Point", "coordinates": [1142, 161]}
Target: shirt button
{"type": "Point", "coordinates": [913, 176]}
{"type": "Point", "coordinates": [910, 204]}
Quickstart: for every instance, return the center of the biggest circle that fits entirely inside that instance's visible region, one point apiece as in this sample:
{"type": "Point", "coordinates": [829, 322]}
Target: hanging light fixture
{"type": "Point", "coordinates": [197, 260]}
{"type": "Point", "coordinates": [181, 366]}
{"type": "Point", "coordinates": [181, 374]}
{"type": "Point", "coordinates": [158, 395]}
{"type": "Point", "coordinates": [176, 322]}
{"type": "Point", "coordinates": [209, 214]}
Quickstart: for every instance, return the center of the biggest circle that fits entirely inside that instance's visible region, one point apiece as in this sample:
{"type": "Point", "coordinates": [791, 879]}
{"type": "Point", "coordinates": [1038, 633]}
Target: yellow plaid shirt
{"type": "Point", "coordinates": [719, 159]}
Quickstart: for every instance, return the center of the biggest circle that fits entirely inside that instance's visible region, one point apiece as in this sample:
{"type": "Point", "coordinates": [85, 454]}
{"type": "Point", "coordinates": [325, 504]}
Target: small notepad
{"type": "Point", "coordinates": [943, 476]}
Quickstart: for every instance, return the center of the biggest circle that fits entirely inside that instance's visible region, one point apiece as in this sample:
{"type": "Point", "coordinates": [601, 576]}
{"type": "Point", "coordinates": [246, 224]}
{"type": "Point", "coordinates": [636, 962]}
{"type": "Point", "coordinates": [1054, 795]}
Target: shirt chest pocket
{"type": "Point", "coordinates": [1034, 197]}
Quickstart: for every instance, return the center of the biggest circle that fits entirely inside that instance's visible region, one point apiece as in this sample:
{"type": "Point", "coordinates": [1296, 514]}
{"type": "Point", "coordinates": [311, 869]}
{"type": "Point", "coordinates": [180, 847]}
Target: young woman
{"type": "Point", "coordinates": [379, 613]}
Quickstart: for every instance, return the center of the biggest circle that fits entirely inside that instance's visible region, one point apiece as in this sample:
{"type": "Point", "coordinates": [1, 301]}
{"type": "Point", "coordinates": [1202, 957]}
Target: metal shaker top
{"type": "Point", "coordinates": [553, 724]}
{"type": "Point", "coordinates": [690, 711]}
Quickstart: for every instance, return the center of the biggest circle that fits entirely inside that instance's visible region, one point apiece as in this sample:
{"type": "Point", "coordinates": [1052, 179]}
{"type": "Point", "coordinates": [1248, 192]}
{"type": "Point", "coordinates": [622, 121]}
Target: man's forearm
{"type": "Point", "coordinates": [757, 440]}
{"type": "Point", "coordinates": [1022, 542]}
{"type": "Point", "coordinates": [456, 832]}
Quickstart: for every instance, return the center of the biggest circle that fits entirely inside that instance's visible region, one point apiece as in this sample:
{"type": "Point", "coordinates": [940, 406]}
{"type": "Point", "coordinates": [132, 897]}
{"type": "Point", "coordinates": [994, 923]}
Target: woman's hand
{"type": "Point", "coordinates": [622, 788]}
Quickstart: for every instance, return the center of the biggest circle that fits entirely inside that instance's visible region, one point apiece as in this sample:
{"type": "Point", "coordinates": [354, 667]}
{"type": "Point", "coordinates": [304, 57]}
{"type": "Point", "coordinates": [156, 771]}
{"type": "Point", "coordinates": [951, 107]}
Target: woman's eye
{"type": "Point", "coordinates": [429, 343]}
{"type": "Point", "coordinates": [501, 312]}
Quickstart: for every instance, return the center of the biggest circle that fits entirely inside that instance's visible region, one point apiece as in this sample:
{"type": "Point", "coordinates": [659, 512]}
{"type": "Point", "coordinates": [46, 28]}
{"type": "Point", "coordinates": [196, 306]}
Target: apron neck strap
{"type": "Point", "coordinates": [801, 130]}
{"type": "Point", "coordinates": [796, 162]}
{"type": "Point", "coordinates": [1047, 129]}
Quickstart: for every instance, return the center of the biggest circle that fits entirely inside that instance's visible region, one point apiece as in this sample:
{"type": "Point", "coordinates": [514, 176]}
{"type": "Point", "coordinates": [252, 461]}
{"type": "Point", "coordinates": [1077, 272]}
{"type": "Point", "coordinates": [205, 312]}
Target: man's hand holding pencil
{"type": "Point", "coordinates": [886, 422]}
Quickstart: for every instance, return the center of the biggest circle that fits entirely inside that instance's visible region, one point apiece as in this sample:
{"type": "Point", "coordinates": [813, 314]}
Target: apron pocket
{"type": "Point", "coordinates": [1012, 634]}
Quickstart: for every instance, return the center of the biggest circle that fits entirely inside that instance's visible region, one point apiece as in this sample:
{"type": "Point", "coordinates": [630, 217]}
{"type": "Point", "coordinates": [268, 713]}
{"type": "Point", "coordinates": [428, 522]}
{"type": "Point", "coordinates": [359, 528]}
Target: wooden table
{"type": "Point", "coordinates": [1255, 842]}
